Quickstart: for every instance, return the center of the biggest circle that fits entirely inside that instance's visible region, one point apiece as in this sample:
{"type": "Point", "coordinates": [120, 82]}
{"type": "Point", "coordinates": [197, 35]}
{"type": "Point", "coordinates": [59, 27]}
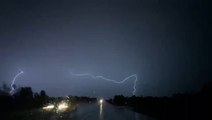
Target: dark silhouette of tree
{"type": "Point", "coordinates": [26, 93]}
{"type": "Point", "coordinates": [119, 100]}
{"type": "Point", "coordinates": [43, 94]}
{"type": "Point", "coordinates": [4, 90]}
{"type": "Point", "coordinates": [5, 87]}
{"type": "Point", "coordinates": [43, 97]}
{"type": "Point", "coordinates": [36, 95]}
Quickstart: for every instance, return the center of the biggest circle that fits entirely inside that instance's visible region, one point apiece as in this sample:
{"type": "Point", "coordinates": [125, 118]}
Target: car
{"type": "Point", "coordinates": [60, 107]}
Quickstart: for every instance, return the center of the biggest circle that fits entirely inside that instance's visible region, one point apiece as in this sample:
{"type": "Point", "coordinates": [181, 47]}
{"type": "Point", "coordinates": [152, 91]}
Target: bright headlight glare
{"type": "Point", "coordinates": [101, 101]}
{"type": "Point", "coordinates": [49, 107]}
{"type": "Point", "coordinates": [62, 106]}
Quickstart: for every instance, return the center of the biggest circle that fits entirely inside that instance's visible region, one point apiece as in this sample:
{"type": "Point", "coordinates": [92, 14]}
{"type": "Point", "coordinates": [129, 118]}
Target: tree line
{"type": "Point", "coordinates": [177, 107]}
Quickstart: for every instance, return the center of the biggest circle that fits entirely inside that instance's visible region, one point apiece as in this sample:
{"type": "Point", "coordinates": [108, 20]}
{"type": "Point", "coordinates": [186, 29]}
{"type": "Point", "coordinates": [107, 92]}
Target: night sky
{"type": "Point", "coordinates": [165, 42]}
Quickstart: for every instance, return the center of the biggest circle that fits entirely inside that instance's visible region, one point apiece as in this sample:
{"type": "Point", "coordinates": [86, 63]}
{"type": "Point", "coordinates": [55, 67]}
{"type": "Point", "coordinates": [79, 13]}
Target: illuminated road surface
{"type": "Point", "coordinates": [105, 112]}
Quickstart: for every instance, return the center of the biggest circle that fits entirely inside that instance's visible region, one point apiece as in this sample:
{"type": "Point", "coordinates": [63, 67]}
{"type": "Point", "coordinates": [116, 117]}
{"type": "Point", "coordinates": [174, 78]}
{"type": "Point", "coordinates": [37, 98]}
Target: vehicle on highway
{"type": "Point", "coordinates": [60, 107]}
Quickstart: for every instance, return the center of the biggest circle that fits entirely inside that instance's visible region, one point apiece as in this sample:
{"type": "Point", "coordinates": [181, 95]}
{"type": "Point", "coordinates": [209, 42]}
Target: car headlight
{"type": "Point", "coordinates": [48, 107]}
{"type": "Point", "coordinates": [63, 106]}
{"type": "Point", "coordinates": [101, 101]}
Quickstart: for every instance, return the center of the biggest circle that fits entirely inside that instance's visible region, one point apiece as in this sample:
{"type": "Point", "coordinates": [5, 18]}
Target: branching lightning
{"type": "Point", "coordinates": [111, 80]}
{"type": "Point", "coordinates": [12, 90]}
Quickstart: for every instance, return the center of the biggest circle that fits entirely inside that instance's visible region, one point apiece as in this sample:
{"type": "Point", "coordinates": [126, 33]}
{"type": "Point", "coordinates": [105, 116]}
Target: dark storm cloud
{"type": "Point", "coordinates": [165, 42]}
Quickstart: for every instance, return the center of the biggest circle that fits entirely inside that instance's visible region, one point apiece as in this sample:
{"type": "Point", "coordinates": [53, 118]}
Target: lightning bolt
{"type": "Point", "coordinates": [12, 90]}
{"type": "Point", "coordinates": [111, 80]}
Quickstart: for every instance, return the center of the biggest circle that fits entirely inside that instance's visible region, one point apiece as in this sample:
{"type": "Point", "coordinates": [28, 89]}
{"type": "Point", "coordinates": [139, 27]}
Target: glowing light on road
{"type": "Point", "coordinates": [111, 80]}
{"type": "Point", "coordinates": [12, 90]}
{"type": "Point", "coordinates": [101, 101]}
{"type": "Point", "coordinates": [49, 107]}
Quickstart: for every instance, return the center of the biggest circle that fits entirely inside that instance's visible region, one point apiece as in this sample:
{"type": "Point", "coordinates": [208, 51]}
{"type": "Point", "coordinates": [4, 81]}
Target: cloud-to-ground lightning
{"type": "Point", "coordinates": [12, 90]}
{"type": "Point", "coordinates": [111, 80]}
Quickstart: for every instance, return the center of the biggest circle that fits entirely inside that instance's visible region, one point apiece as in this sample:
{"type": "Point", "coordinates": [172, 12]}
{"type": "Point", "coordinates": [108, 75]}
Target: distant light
{"type": "Point", "coordinates": [49, 107]}
{"type": "Point", "coordinates": [101, 101]}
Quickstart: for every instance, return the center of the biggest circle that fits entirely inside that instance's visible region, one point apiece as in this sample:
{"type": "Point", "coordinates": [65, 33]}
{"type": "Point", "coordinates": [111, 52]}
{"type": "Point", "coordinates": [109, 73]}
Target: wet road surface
{"type": "Point", "coordinates": [93, 111]}
{"type": "Point", "coordinates": [105, 111]}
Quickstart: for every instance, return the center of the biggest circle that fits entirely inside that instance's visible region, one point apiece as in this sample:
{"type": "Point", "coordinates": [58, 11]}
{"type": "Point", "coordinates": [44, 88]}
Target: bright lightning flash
{"type": "Point", "coordinates": [12, 90]}
{"type": "Point", "coordinates": [111, 80]}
